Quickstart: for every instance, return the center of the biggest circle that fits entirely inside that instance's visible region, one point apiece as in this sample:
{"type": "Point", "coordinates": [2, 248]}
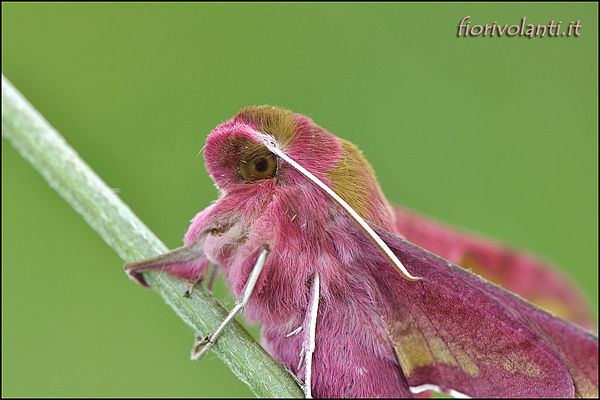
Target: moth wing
{"type": "Point", "coordinates": [518, 271]}
{"type": "Point", "coordinates": [457, 331]}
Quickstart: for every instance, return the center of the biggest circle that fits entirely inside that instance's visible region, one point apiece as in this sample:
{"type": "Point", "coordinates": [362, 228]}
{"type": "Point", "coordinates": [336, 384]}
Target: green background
{"type": "Point", "coordinates": [495, 134]}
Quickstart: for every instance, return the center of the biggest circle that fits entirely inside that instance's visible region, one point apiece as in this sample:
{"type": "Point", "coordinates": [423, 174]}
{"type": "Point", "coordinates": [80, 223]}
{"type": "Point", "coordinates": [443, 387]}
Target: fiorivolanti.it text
{"type": "Point", "coordinates": [523, 29]}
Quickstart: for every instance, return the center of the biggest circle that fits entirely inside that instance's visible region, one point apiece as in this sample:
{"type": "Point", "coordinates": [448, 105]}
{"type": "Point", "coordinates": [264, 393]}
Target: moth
{"type": "Point", "coordinates": [318, 257]}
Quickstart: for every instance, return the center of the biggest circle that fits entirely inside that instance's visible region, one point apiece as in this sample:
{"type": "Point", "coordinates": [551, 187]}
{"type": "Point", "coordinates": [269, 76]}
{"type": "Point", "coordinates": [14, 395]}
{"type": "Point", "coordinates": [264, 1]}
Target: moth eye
{"type": "Point", "coordinates": [258, 167]}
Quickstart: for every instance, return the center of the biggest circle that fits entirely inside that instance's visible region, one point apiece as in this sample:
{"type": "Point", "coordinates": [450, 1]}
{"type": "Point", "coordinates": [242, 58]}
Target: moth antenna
{"type": "Point", "coordinates": [358, 220]}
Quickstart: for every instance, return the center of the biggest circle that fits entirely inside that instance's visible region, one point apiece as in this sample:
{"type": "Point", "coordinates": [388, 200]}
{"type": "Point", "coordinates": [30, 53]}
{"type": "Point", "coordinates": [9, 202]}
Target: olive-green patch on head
{"type": "Point", "coordinates": [354, 180]}
{"type": "Point", "coordinates": [275, 121]}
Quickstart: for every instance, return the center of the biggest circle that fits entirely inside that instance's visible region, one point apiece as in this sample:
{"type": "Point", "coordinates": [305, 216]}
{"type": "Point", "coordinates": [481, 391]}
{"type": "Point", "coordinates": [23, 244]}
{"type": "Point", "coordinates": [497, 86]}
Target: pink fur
{"type": "Point", "coordinates": [305, 233]}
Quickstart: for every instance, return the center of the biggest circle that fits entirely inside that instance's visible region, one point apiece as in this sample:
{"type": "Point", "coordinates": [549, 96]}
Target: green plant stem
{"type": "Point", "coordinates": [40, 144]}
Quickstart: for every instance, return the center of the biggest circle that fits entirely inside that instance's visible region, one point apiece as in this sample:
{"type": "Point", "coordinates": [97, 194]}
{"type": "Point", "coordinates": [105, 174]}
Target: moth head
{"type": "Point", "coordinates": [248, 153]}
{"type": "Point", "coordinates": [265, 149]}
{"type": "Point", "coordinates": [242, 152]}
{"type": "Point", "coordinates": [237, 152]}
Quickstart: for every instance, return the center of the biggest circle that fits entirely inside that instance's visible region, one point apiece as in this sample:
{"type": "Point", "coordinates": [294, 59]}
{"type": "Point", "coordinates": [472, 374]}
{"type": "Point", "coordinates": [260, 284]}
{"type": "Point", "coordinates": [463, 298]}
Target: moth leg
{"type": "Point", "coordinates": [301, 355]}
{"type": "Point", "coordinates": [211, 281]}
{"type": "Point", "coordinates": [312, 328]}
{"type": "Point", "coordinates": [193, 283]}
{"type": "Point", "coordinates": [294, 332]}
{"type": "Point", "coordinates": [301, 358]}
{"type": "Point", "coordinates": [203, 345]}
{"type": "Point", "coordinates": [185, 262]}
{"type": "Point", "coordinates": [291, 373]}
{"type": "Point", "coordinates": [212, 278]}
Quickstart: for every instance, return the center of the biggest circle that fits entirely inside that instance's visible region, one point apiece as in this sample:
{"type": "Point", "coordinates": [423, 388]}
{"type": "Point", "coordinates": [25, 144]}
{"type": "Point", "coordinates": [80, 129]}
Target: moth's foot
{"type": "Point", "coordinates": [193, 283]}
{"type": "Point", "coordinates": [295, 377]}
{"type": "Point", "coordinates": [201, 346]}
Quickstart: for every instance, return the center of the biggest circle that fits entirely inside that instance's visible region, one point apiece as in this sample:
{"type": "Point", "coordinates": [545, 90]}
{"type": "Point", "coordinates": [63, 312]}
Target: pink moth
{"type": "Point", "coordinates": [302, 223]}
